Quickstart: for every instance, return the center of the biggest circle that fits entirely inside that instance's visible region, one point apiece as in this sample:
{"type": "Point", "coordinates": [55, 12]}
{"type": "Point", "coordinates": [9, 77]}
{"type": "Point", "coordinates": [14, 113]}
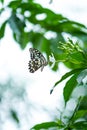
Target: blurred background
{"type": "Point", "coordinates": [25, 98]}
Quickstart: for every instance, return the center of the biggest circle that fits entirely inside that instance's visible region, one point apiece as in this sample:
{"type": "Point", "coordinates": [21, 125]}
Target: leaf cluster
{"type": "Point", "coordinates": [77, 120]}
{"type": "Point", "coordinates": [43, 22]}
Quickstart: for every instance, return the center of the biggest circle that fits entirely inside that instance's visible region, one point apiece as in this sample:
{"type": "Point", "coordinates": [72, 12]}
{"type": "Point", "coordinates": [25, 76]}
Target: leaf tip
{"type": "Point", "coordinates": [51, 91]}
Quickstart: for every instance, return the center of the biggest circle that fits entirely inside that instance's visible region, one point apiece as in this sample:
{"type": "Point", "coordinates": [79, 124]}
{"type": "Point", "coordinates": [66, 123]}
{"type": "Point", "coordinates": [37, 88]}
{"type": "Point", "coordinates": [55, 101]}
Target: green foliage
{"type": "Point", "coordinates": [65, 76]}
{"type": "Point", "coordinates": [83, 105]}
{"type": "Point", "coordinates": [77, 77]}
{"type": "Point", "coordinates": [2, 29]}
{"type": "Point", "coordinates": [75, 55]}
{"type": "Point", "coordinates": [46, 125]}
{"type": "Point", "coordinates": [2, 1]}
{"type": "Point", "coordinates": [69, 87]}
{"type": "Point", "coordinates": [27, 13]}
{"type": "Point", "coordinates": [14, 116]}
{"type": "Point", "coordinates": [68, 52]}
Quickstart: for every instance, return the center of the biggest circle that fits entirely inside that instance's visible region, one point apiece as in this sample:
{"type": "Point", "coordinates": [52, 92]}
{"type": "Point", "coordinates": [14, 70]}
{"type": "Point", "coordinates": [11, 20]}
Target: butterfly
{"type": "Point", "coordinates": [37, 60]}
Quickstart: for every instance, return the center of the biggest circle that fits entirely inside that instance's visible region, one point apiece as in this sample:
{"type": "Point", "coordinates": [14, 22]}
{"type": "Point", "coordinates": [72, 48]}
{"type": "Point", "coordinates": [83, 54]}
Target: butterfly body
{"type": "Point", "coordinates": [37, 60]}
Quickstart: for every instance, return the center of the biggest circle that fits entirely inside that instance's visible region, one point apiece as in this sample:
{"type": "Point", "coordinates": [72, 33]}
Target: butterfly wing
{"type": "Point", "coordinates": [34, 53]}
{"type": "Point", "coordinates": [37, 60]}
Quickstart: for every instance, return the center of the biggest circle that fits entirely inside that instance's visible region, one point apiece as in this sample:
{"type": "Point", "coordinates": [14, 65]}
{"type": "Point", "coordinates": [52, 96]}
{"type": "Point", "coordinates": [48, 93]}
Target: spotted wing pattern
{"type": "Point", "coordinates": [37, 60]}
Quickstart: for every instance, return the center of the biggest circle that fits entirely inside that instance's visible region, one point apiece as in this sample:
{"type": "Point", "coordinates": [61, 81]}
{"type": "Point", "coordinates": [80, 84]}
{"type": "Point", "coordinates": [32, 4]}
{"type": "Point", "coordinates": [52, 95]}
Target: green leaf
{"type": "Point", "coordinates": [44, 126]}
{"type": "Point", "coordinates": [14, 4]}
{"type": "Point", "coordinates": [2, 1]}
{"type": "Point", "coordinates": [81, 125]}
{"type": "Point", "coordinates": [80, 114]}
{"type": "Point", "coordinates": [14, 116]}
{"type": "Point", "coordinates": [2, 29]}
{"type": "Point", "coordinates": [83, 104]}
{"type": "Point", "coordinates": [69, 87]}
{"type": "Point", "coordinates": [16, 24]}
{"type": "Point", "coordinates": [76, 58]}
{"type": "Point", "coordinates": [65, 76]}
{"type": "Point", "coordinates": [19, 34]}
{"type": "Point", "coordinates": [59, 25]}
{"type": "Point", "coordinates": [1, 10]}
